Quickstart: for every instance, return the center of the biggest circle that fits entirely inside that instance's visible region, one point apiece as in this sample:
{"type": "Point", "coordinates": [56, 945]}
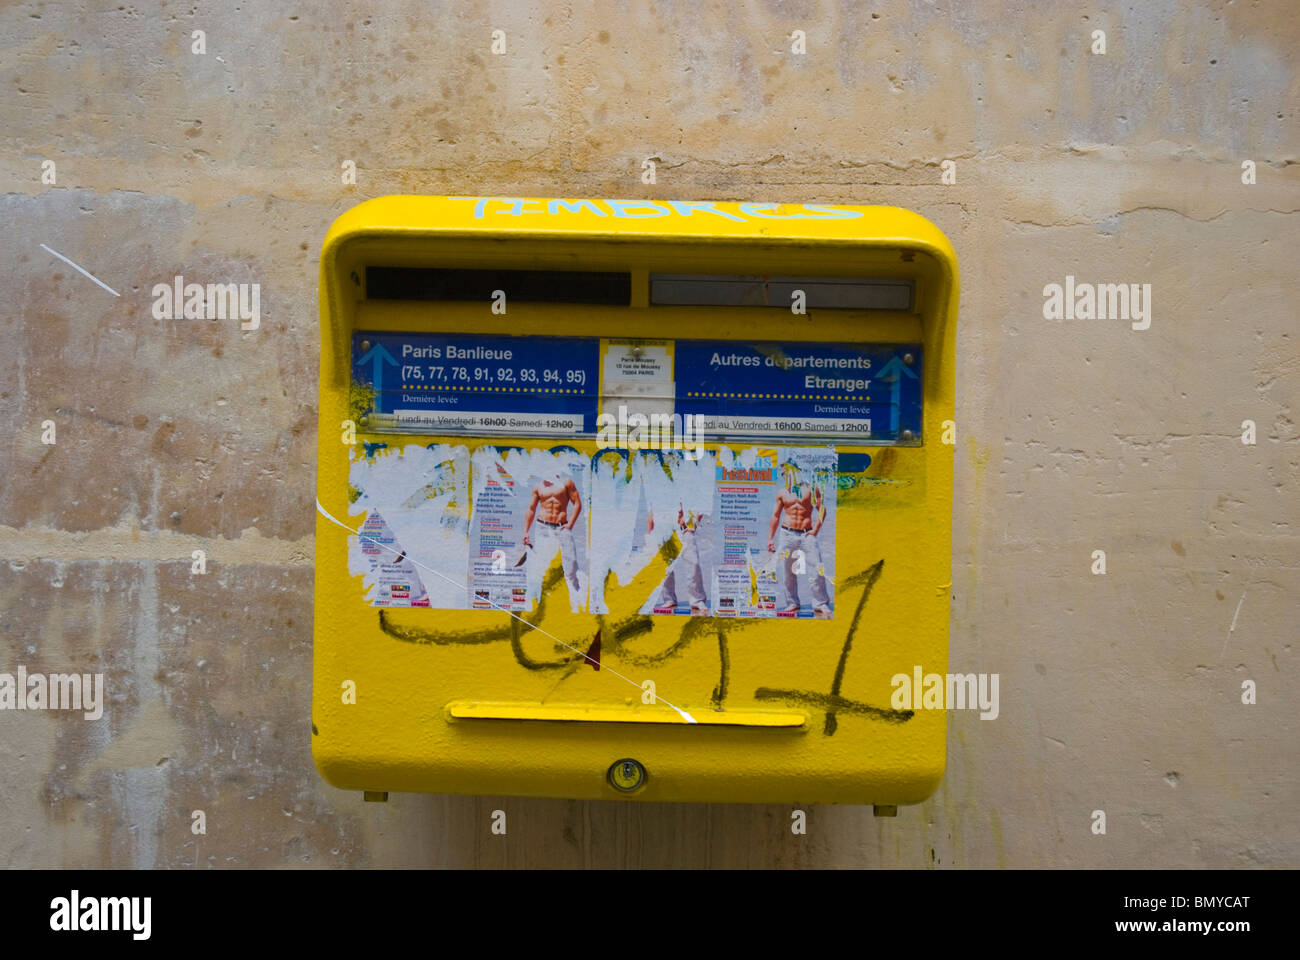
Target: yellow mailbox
{"type": "Point", "coordinates": [633, 499]}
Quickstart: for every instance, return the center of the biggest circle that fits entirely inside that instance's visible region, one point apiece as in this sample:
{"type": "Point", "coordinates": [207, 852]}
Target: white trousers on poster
{"type": "Point", "coordinates": [687, 567]}
{"type": "Point", "coordinates": [788, 544]}
{"type": "Point", "coordinates": [546, 541]}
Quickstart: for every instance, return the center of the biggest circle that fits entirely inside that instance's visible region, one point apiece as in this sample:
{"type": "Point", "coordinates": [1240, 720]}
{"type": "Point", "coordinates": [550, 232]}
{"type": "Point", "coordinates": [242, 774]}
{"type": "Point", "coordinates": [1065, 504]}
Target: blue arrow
{"type": "Point", "coordinates": [895, 367]}
{"type": "Point", "coordinates": [377, 375]}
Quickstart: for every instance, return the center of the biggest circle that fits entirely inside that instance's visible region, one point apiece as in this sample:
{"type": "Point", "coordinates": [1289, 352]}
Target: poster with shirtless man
{"type": "Point", "coordinates": [529, 518]}
{"type": "Point", "coordinates": [775, 541]}
{"type": "Point", "coordinates": [800, 534]}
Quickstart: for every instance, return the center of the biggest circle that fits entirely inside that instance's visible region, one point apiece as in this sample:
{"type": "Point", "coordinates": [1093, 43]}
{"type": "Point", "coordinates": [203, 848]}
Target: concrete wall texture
{"type": "Point", "coordinates": [1120, 692]}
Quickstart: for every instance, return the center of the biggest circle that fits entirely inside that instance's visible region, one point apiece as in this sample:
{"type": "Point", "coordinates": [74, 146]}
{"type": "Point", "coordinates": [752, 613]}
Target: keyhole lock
{"type": "Point", "coordinates": [626, 775]}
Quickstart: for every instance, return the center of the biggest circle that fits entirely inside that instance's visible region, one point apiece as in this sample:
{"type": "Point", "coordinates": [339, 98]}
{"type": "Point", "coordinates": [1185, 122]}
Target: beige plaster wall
{"type": "Point", "coordinates": [1119, 692]}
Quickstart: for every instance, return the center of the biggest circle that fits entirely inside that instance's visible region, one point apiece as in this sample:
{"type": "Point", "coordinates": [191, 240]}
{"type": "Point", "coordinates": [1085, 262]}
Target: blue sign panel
{"type": "Point", "coordinates": [552, 386]}
{"type": "Point", "coordinates": [869, 392]}
{"type": "Point", "coordinates": [468, 383]}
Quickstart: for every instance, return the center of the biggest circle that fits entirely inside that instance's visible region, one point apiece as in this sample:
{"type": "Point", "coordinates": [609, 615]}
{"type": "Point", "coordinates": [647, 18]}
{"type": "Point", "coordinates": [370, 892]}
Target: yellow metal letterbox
{"type": "Point", "coordinates": [633, 499]}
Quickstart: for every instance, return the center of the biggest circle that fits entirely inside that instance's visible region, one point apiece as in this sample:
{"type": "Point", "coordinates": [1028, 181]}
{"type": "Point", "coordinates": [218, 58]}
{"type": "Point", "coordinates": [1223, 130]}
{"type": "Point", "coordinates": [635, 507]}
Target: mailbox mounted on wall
{"type": "Point", "coordinates": [633, 499]}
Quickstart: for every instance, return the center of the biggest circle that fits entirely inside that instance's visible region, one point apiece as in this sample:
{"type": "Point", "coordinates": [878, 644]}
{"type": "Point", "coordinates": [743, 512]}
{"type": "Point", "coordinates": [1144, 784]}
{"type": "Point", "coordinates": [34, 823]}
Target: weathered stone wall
{"type": "Point", "coordinates": [1119, 692]}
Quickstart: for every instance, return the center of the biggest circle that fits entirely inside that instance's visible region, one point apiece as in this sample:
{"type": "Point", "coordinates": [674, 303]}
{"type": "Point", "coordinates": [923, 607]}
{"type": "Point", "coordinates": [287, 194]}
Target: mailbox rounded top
{"type": "Point", "coordinates": [682, 221]}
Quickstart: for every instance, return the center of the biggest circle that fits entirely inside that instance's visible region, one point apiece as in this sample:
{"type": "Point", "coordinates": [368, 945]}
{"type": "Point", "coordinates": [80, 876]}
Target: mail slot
{"type": "Point", "coordinates": [630, 499]}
